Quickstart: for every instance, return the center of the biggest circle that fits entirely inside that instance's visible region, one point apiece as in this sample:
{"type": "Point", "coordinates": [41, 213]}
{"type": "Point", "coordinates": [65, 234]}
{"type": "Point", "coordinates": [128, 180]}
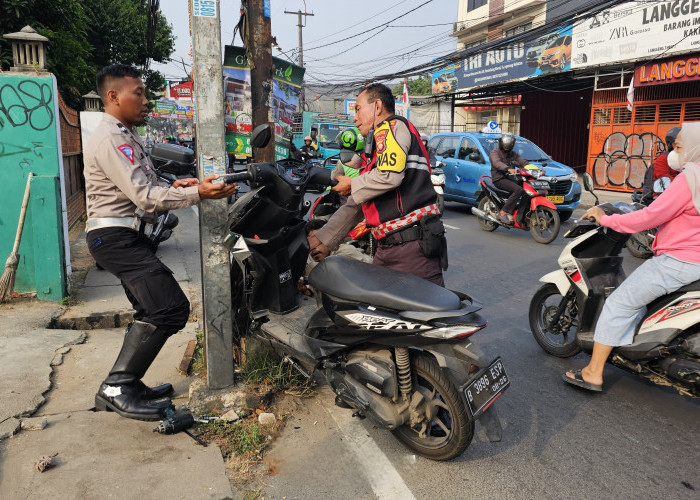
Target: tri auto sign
{"type": "Point", "coordinates": [636, 31]}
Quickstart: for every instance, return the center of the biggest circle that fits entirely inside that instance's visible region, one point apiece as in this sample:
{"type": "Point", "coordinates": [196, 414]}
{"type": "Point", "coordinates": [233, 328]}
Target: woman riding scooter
{"type": "Point", "coordinates": [676, 260]}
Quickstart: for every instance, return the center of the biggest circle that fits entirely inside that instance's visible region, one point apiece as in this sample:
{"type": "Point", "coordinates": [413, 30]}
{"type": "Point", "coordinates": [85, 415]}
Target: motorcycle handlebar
{"type": "Point", "coordinates": [231, 178]}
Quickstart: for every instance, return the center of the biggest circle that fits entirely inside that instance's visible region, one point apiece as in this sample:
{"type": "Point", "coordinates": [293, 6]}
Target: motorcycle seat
{"type": "Point", "coordinates": [357, 281]}
{"type": "Point", "coordinates": [489, 182]}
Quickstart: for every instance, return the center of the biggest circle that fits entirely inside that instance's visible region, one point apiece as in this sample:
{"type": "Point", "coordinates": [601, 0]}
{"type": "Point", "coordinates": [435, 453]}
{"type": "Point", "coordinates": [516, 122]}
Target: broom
{"type": "Point", "coordinates": [7, 281]}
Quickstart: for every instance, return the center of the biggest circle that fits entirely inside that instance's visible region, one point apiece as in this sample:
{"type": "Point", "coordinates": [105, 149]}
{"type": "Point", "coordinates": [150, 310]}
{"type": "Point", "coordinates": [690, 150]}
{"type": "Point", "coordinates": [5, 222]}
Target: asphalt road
{"type": "Point", "coordinates": [635, 440]}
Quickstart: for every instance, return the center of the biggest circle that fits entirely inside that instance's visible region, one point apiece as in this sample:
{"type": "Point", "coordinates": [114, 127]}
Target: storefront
{"type": "Point", "coordinates": [623, 143]}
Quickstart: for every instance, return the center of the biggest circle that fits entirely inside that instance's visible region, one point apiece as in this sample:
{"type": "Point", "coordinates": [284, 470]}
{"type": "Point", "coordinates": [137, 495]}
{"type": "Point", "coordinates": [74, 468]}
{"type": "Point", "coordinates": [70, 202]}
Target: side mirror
{"type": "Point", "coordinates": [313, 134]}
{"type": "Point", "coordinates": [261, 135]}
{"type": "Point", "coordinates": [474, 157]}
{"type": "Point", "coordinates": [588, 184]}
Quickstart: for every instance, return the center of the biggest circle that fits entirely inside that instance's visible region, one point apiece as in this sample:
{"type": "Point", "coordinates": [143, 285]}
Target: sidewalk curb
{"type": "Point", "coordinates": [95, 321]}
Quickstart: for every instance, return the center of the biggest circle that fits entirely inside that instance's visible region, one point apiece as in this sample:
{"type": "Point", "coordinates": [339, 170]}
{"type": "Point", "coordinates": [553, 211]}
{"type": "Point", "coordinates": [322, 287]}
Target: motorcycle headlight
{"type": "Point", "coordinates": [573, 176]}
{"type": "Point", "coordinates": [537, 173]}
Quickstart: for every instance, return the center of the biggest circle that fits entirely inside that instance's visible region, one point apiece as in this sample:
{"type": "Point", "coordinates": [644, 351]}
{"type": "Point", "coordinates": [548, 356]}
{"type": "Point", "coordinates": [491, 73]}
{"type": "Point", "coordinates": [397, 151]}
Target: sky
{"type": "Point", "coordinates": [416, 38]}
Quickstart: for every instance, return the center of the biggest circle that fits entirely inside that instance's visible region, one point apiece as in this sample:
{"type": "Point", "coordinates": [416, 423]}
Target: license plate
{"type": "Point", "coordinates": [486, 386]}
{"type": "Point", "coordinates": [556, 199]}
{"type": "Point", "coordinates": [539, 184]}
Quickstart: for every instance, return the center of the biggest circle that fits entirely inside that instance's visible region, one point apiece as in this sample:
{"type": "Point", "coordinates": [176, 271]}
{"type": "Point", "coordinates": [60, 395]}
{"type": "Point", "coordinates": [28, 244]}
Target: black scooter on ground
{"type": "Point", "coordinates": [564, 311]}
{"type": "Point", "coordinates": [392, 346]}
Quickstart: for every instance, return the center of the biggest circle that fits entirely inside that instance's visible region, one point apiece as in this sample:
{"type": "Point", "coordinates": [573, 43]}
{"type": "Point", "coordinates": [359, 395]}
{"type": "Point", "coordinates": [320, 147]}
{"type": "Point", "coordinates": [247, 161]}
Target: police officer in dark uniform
{"type": "Point", "coordinates": [123, 193]}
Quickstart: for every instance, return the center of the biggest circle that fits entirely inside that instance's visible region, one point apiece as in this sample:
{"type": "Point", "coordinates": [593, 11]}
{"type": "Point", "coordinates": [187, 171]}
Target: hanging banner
{"type": "Point", "coordinates": [182, 91]}
{"type": "Point", "coordinates": [286, 88]}
{"type": "Point", "coordinates": [636, 30]}
{"type": "Point", "coordinates": [549, 53]}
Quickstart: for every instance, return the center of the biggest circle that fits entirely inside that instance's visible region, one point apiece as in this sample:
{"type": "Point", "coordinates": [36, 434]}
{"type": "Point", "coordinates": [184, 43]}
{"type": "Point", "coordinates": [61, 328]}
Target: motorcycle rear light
{"type": "Point", "coordinates": [453, 332]}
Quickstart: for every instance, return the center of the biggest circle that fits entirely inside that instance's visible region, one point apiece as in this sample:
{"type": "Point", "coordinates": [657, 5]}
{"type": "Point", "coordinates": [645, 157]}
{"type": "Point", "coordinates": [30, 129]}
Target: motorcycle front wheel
{"type": "Point", "coordinates": [637, 248]}
{"type": "Point", "coordinates": [544, 224]}
{"type": "Point", "coordinates": [450, 428]}
{"type": "Point", "coordinates": [488, 207]}
{"type": "Point", "coordinates": [559, 339]}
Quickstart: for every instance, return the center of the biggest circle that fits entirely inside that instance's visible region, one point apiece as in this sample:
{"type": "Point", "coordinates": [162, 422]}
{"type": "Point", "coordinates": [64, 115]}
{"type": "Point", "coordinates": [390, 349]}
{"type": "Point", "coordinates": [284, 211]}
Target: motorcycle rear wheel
{"type": "Point", "coordinates": [452, 427]}
{"type": "Point", "coordinates": [637, 249]}
{"type": "Point", "coordinates": [544, 224]}
{"type": "Point", "coordinates": [543, 306]}
{"type": "Point", "coordinates": [488, 207]}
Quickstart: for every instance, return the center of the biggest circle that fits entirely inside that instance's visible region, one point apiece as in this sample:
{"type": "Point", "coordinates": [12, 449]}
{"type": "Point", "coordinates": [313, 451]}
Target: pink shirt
{"type": "Point", "coordinates": [678, 220]}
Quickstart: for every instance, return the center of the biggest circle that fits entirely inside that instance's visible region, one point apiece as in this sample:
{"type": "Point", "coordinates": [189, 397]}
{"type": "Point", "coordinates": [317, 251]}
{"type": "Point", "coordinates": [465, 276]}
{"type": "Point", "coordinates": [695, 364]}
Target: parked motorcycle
{"type": "Point", "coordinates": [564, 311]}
{"type": "Point", "coordinates": [437, 177]}
{"type": "Point", "coordinates": [170, 162]}
{"type": "Point", "coordinates": [534, 211]}
{"type": "Point", "coordinates": [393, 347]}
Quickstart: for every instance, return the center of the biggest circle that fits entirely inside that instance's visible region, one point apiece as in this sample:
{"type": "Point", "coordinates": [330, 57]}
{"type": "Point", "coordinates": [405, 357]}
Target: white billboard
{"type": "Point", "coordinates": [636, 30]}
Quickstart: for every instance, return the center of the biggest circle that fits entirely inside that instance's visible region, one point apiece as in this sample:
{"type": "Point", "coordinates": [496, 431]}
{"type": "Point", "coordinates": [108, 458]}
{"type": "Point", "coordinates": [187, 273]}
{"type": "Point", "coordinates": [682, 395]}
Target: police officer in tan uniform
{"type": "Point", "coordinates": [122, 195]}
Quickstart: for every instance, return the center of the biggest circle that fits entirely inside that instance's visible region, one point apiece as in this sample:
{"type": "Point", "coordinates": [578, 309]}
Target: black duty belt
{"type": "Point", "coordinates": [411, 233]}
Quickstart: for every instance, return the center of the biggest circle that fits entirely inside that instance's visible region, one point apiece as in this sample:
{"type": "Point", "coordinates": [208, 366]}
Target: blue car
{"type": "Point", "coordinates": [466, 158]}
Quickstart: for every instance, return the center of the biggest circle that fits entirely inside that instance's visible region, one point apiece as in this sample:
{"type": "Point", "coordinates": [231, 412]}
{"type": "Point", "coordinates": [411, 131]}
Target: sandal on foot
{"type": "Point", "coordinates": [579, 382]}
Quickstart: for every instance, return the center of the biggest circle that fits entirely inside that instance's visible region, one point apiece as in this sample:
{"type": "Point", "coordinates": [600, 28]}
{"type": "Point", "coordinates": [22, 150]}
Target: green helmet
{"type": "Point", "coordinates": [352, 139]}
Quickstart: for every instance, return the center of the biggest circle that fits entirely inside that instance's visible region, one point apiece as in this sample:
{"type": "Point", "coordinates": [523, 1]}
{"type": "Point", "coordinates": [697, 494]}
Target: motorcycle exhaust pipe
{"type": "Point", "coordinates": [484, 215]}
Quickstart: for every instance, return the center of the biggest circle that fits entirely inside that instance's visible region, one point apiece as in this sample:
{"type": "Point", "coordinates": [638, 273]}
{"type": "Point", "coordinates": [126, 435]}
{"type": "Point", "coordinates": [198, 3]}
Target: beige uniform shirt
{"type": "Point", "coordinates": [119, 176]}
{"type": "Point", "coordinates": [365, 187]}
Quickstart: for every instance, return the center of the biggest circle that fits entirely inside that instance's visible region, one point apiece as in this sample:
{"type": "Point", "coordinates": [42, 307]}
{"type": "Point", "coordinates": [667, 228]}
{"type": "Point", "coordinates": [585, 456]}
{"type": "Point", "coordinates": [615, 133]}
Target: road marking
{"type": "Point", "coordinates": [450, 227]}
{"type": "Point", "coordinates": [384, 479]}
{"type": "Point", "coordinates": [195, 209]}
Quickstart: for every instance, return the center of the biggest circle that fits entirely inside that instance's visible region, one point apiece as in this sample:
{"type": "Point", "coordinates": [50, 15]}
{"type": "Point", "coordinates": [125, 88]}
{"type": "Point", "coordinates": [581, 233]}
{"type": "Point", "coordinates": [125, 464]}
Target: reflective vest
{"type": "Point", "coordinates": [415, 191]}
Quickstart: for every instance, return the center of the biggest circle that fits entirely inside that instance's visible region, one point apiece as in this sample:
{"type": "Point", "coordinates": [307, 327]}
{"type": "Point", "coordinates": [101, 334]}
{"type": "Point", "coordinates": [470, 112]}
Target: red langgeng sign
{"type": "Point", "coordinates": [680, 69]}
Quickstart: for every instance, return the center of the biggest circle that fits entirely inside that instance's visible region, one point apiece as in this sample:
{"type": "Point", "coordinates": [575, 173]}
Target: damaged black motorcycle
{"type": "Point", "coordinates": [392, 346]}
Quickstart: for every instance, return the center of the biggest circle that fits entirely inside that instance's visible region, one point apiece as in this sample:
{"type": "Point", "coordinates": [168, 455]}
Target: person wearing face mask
{"type": "Point", "coordinates": [661, 168]}
{"type": "Point", "coordinates": [676, 260]}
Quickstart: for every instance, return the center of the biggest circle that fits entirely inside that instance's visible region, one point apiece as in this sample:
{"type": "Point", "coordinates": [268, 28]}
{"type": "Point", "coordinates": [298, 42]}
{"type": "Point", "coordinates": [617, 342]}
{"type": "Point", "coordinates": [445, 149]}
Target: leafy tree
{"type": "Point", "coordinates": [85, 35]}
{"type": "Point", "coordinates": [417, 86]}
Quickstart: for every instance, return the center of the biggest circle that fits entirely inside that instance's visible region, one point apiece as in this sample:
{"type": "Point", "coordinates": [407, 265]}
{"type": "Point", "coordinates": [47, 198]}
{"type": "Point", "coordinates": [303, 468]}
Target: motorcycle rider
{"type": "Point", "coordinates": [308, 150]}
{"type": "Point", "coordinates": [676, 260]}
{"type": "Point", "coordinates": [660, 169]}
{"type": "Point", "coordinates": [350, 140]}
{"type": "Point", "coordinates": [393, 191]}
{"type": "Point", "coordinates": [122, 193]}
{"type": "Point", "coordinates": [502, 159]}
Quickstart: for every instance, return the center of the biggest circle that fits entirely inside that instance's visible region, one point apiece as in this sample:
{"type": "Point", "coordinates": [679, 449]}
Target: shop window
{"type": "Point", "coordinates": [622, 115]}
{"type": "Point", "coordinates": [518, 29]}
{"type": "Point", "coordinates": [601, 116]}
{"type": "Point", "coordinates": [475, 4]}
{"type": "Point", "coordinates": [645, 114]}
{"type": "Point", "coordinates": [670, 112]}
{"type": "Point", "coordinates": [692, 112]}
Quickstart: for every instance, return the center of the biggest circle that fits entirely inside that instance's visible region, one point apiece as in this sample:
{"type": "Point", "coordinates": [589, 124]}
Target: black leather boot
{"type": "Point", "coordinates": [157, 392]}
{"type": "Point", "coordinates": [120, 392]}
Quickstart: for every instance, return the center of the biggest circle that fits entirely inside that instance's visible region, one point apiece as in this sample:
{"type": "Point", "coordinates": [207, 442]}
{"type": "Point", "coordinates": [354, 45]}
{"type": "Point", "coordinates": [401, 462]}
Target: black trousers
{"type": "Point", "coordinates": [149, 284]}
{"type": "Point", "coordinates": [516, 191]}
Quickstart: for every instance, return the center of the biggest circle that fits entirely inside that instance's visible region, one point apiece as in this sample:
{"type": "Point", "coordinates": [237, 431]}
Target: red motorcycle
{"type": "Point", "coordinates": [534, 211]}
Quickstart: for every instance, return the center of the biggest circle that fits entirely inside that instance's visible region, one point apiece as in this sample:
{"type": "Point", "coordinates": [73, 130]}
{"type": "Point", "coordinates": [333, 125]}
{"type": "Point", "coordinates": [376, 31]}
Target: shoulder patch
{"type": "Point", "coordinates": [380, 139]}
{"type": "Point", "coordinates": [127, 151]}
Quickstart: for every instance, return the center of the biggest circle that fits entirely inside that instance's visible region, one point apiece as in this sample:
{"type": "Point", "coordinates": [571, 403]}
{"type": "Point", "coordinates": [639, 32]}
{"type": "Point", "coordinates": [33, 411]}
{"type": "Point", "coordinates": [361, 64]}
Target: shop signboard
{"type": "Point", "coordinates": [636, 30]}
{"type": "Point", "coordinates": [181, 91]}
{"type": "Point", "coordinates": [286, 88]}
{"type": "Point", "coordinates": [680, 69]}
{"type": "Point", "coordinates": [541, 55]}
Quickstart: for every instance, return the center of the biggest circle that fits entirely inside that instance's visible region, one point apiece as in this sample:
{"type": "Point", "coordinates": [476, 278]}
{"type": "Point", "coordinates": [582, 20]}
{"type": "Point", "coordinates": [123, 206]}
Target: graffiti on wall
{"type": "Point", "coordinates": [625, 158]}
{"type": "Point", "coordinates": [27, 104]}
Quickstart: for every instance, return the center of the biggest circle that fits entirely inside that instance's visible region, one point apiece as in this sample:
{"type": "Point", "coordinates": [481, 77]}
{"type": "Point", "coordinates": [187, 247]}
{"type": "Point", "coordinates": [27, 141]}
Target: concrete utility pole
{"type": "Point", "coordinates": [260, 56]}
{"type": "Point", "coordinates": [301, 48]}
{"type": "Point", "coordinates": [207, 73]}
